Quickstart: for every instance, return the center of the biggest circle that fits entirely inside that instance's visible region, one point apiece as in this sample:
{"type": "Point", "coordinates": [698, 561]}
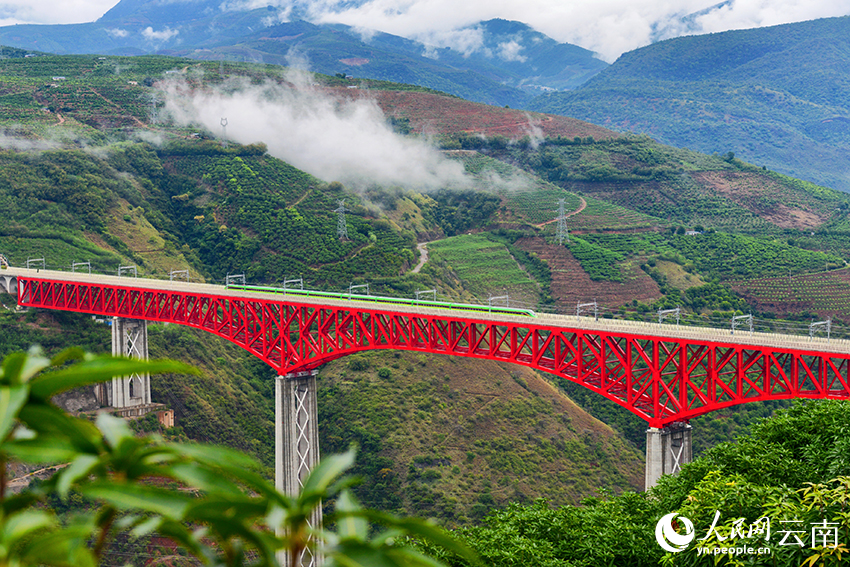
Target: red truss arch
{"type": "Point", "coordinates": [660, 379]}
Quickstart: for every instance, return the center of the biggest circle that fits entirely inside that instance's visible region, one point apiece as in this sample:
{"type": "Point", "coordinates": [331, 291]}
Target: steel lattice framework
{"type": "Point", "coordinates": [660, 379]}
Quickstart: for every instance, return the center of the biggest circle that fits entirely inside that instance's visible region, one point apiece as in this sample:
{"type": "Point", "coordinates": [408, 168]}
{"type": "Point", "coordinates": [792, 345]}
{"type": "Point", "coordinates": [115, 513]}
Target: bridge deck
{"type": "Point", "coordinates": [613, 326]}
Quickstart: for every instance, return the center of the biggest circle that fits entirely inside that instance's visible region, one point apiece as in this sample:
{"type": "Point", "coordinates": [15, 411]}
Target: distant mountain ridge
{"type": "Point", "coordinates": [508, 64]}
{"type": "Point", "coordinates": [774, 96]}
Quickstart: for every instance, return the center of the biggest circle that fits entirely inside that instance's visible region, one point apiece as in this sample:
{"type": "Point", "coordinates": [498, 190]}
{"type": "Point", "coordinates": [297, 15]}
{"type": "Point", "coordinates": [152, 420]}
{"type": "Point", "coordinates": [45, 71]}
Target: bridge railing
{"type": "Point", "coordinates": [647, 318]}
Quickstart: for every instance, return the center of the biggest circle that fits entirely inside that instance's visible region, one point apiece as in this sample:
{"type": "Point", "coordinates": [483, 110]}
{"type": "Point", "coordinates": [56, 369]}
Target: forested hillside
{"type": "Point", "coordinates": [95, 169]}
{"type": "Point", "coordinates": [773, 96]}
{"type": "Point", "coordinates": [792, 470]}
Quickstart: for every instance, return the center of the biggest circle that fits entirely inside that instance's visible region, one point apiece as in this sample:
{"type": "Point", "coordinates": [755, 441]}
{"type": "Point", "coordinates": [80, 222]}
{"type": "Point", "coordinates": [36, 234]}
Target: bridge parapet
{"type": "Point", "coordinates": [662, 373]}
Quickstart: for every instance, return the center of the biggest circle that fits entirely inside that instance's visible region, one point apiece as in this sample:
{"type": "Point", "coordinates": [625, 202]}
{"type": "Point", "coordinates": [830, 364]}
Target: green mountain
{"type": "Point", "coordinates": [218, 211]}
{"type": "Point", "coordinates": [512, 63]}
{"type": "Point", "coordinates": [89, 174]}
{"type": "Point", "coordinates": [340, 50]}
{"type": "Point", "coordinates": [773, 96]}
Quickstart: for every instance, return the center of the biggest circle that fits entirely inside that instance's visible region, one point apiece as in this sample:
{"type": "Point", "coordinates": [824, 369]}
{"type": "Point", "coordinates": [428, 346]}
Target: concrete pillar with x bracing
{"type": "Point", "coordinates": [297, 445]}
{"type": "Point", "coordinates": [129, 338]}
{"type": "Point", "coordinates": [667, 449]}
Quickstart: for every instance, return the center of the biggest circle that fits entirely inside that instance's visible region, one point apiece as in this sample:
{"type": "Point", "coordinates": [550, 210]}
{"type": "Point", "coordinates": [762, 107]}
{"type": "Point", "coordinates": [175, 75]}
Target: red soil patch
{"type": "Point", "coordinates": [571, 284]}
{"type": "Point", "coordinates": [764, 197]}
{"type": "Point", "coordinates": [438, 114]}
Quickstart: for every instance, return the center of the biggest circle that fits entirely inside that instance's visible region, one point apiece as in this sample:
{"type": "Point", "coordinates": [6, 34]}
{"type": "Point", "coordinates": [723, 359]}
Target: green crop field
{"type": "Point", "coordinates": [485, 267]}
{"type": "Point", "coordinates": [826, 293]}
{"type": "Point", "coordinates": [601, 215]}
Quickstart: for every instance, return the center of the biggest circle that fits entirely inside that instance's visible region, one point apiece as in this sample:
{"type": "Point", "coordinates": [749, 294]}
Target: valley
{"type": "Point", "coordinates": [99, 167]}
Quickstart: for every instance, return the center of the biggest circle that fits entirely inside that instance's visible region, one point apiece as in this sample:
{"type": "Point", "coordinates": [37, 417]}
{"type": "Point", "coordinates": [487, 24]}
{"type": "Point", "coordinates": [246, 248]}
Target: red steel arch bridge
{"type": "Point", "coordinates": [664, 374]}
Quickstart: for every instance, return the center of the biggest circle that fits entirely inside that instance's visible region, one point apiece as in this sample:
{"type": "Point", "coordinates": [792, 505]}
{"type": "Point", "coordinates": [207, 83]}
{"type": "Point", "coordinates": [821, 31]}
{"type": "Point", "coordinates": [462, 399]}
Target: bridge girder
{"type": "Point", "coordinates": [660, 379]}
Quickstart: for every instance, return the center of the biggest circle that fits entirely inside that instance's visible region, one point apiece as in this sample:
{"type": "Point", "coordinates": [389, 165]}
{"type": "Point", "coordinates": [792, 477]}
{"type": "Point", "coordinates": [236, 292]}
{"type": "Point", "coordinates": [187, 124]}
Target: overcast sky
{"type": "Point", "coordinates": [608, 27]}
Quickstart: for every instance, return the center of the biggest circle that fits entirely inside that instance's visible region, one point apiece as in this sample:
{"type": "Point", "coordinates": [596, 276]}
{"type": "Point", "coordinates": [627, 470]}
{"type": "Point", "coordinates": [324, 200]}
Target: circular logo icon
{"type": "Point", "coordinates": [668, 538]}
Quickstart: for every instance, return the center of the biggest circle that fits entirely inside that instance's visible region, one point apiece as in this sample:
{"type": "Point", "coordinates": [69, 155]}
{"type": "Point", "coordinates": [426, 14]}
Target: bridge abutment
{"type": "Point", "coordinates": [297, 444]}
{"type": "Point", "coordinates": [667, 449]}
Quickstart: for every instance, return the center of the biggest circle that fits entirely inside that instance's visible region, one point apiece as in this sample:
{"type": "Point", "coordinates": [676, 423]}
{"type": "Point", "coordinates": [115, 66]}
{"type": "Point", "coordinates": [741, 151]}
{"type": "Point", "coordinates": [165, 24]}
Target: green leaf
{"type": "Point", "coordinates": [67, 355]}
{"type": "Point", "coordinates": [66, 547]}
{"type": "Point", "coordinates": [99, 370]}
{"type": "Point", "coordinates": [239, 465]}
{"type": "Point", "coordinates": [350, 526]}
{"type": "Point", "coordinates": [79, 468]}
{"type": "Point", "coordinates": [46, 448]}
{"type": "Point", "coordinates": [34, 363]}
{"type": "Point", "coordinates": [12, 399]}
{"type": "Point", "coordinates": [20, 525]}
{"type": "Point", "coordinates": [19, 367]}
{"type": "Point", "coordinates": [16, 502]}
{"type": "Point", "coordinates": [227, 511]}
{"type": "Point", "coordinates": [426, 530]}
{"type": "Point", "coordinates": [45, 418]}
{"type": "Point", "coordinates": [360, 554]}
{"type": "Point", "coordinates": [193, 474]}
{"type": "Point", "coordinates": [221, 457]}
{"type": "Point", "coordinates": [147, 526]}
{"type": "Point", "coordinates": [114, 429]}
{"type": "Point", "coordinates": [323, 474]}
{"type": "Point", "coordinates": [132, 496]}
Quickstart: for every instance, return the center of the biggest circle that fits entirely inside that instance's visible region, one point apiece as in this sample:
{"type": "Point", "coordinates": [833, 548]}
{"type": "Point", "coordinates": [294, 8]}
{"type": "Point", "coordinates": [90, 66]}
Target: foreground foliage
{"type": "Point", "coordinates": [794, 469]}
{"type": "Point", "coordinates": [224, 512]}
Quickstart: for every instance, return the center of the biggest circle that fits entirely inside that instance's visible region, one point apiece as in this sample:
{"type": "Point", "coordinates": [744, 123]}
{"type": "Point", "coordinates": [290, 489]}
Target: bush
{"type": "Point", "coordinates": [226, 513]}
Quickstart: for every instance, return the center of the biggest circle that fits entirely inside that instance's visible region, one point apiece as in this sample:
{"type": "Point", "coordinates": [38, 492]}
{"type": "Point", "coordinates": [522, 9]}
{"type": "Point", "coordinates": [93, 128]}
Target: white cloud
{"type": "Point", "coordinates": [366, 34]}
{"type": "Point", "coordinates": [466, 41]}
{"type": "Point", "coordinates": [281, 17]}
{"type": "Point", "coordinates": [52, 12]}
{"type": "Point", "coordinates": [608, 27]}
{"type": "Point", "coordinates": [246, 5]}
{"type": "Point", "coordinates": [117, 32]}
{"type": "Point", "coordinates": [164, 35]}
{"type": "Point", "coordinates": [510, 51]}
{"type": "Point", "coordinates": [343, 140]}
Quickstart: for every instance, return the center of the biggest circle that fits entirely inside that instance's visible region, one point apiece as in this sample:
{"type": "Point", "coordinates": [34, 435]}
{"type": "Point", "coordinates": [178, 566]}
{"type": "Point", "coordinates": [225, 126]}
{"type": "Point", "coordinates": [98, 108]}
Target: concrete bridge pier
{"type": "Point", "coordinates": [297, 444]}
{"type": "Point", "coordinates": [8, 284]}
{"type": "Point", "coordinates": [667, 449]}
{"type": "Point", "coordinates": [129, 338]}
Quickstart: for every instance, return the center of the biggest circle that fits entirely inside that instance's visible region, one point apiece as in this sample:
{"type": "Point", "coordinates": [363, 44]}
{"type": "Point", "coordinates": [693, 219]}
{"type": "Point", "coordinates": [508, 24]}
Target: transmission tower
{"type": "Point", "coordinates": [154, 102]}
{"type": "Point", "coordinates": [341, 226]}
{"type": "Point", "coordinates": [224, 132]}
{"type": "Point", "coordinates": [562, 232]}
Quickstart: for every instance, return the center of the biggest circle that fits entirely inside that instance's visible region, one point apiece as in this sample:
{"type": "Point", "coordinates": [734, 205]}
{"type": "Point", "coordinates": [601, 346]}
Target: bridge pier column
{"type": "Point", "coordinates": [129, 338]}
{"type": "Point", "coordinates": [667, 449]}
{"type": "Point", "coordinates": [297, 444]}
{"type": "Point", "coordinates": [8, 284]}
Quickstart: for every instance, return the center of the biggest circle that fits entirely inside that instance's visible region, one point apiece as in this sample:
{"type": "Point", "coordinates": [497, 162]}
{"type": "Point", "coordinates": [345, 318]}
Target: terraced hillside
{"type": "Point", "coordinates": [824, 293]}
{"type": "Point", "coordinates": [571, 283]}
{"type": "Point", "coordinates": [485, 268]}
{"type": "Point", "coordinates": [86, 182]}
